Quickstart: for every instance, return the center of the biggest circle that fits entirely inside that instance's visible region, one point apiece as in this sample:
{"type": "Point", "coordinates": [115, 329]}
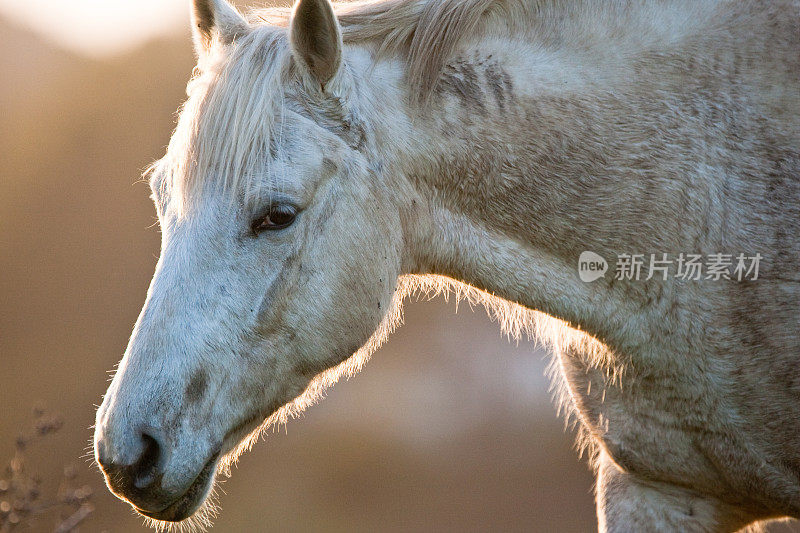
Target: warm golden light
{"type": "Point", "coordinates": [98, 27]}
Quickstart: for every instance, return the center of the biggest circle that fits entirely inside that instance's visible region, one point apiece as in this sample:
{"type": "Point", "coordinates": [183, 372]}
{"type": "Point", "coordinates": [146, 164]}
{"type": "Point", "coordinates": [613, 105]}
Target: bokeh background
{"type": "Point", "coordinates": [448, 428]}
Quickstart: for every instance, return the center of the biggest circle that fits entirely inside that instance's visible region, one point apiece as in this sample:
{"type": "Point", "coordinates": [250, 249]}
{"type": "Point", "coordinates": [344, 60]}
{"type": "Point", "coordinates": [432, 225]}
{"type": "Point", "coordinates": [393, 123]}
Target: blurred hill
{"type": "Point", "coordinates": [449, 428]}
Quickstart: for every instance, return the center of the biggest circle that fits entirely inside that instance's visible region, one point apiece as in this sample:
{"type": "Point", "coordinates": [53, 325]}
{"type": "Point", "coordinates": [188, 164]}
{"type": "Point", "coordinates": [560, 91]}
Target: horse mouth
{"type": "Point", "coordinates": [187, 504]}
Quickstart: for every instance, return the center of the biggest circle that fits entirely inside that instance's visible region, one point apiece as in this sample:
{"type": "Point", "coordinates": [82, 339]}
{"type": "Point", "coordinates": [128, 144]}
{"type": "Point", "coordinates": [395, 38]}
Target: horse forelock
{"type": "Point", "coordinates": [226, 125]}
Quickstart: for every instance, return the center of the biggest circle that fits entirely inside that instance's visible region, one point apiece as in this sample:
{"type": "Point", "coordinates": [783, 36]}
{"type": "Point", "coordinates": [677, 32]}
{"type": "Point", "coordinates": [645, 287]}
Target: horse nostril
{"type": "Point", "coordinates": [144, 469]}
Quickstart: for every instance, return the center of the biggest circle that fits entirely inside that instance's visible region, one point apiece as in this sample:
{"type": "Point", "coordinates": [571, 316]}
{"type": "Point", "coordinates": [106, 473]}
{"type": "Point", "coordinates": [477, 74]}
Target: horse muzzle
{"type": "Point", "coordinates": [137, 474]}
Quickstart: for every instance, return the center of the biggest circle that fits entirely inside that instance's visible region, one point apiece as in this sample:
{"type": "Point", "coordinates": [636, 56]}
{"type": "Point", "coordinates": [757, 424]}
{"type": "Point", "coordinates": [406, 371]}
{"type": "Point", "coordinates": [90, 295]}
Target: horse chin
{"type": "Point", "coordinates": [191, 500]}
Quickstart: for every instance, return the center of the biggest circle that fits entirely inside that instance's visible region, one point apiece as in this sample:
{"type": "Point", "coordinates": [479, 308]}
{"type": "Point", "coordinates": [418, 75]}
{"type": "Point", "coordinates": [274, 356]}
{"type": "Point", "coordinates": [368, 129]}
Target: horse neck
{"type": "Point", "coordinates": [517, 166]}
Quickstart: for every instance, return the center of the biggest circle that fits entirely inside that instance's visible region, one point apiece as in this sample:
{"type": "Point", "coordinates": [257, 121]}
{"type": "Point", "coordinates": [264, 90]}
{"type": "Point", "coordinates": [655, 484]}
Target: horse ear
{"type": "Point", "coordinates": [215, 19]}
{"type": "Point", "coordinates": [316, 39]}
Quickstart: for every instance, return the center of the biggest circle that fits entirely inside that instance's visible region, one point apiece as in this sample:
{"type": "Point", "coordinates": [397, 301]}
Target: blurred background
{"type": "Point", "coordinates": [449, 427]}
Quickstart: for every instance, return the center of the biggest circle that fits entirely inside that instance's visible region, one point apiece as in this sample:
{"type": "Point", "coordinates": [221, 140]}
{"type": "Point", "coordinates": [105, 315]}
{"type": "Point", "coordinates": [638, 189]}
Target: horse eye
{"type": "Point", "coordinates": [279, 217]}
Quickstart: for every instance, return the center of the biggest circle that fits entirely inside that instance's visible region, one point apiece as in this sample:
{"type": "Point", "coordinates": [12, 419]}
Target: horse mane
{"type": "Point", "coordinates": [424, 32]}
{"type": "Point", "coordinates": [429, 32]}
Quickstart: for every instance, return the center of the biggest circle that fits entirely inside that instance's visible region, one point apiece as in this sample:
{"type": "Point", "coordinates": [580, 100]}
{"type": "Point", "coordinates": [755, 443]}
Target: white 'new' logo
{"type": "Point", "coordinates": [591, 266]}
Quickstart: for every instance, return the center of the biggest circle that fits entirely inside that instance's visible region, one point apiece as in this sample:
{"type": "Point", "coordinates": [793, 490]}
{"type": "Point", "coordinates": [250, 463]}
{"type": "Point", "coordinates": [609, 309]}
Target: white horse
{"type": "Point", "coordinates": [329, 159]}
